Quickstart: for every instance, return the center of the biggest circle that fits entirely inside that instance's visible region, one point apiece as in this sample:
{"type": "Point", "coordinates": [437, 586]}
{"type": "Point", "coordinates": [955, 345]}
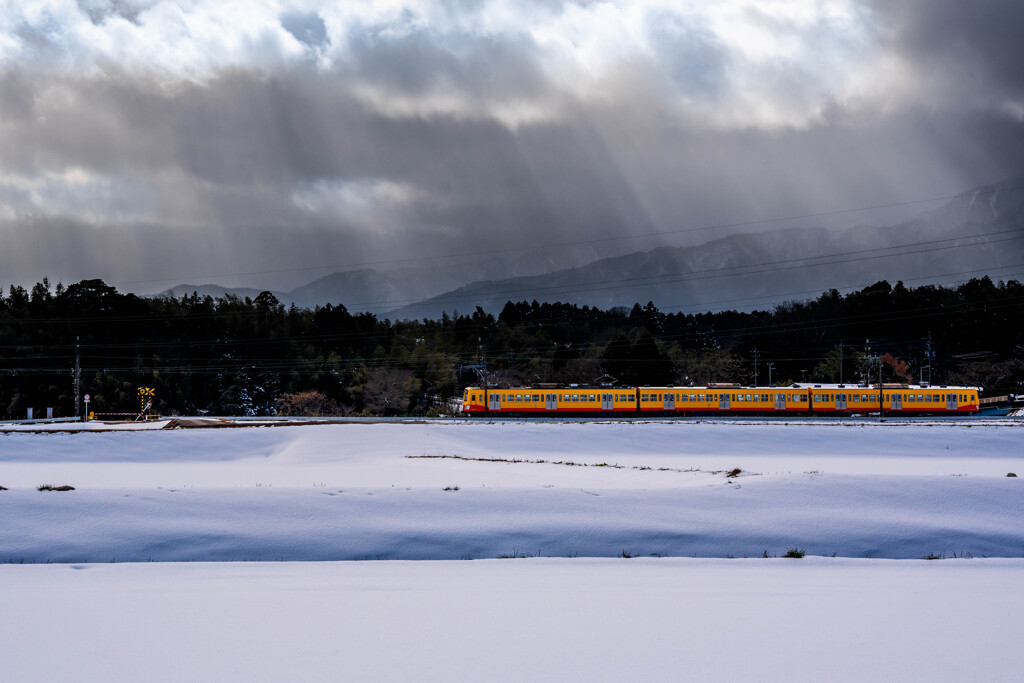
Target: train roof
{"type": "Point", "coordinates": [727, 387]}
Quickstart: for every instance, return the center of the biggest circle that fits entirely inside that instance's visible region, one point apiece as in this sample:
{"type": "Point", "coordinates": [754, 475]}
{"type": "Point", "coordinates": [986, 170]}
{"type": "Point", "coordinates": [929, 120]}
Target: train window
{"type": "Point", "coordinates": [575, 398]}
{"type": "Point", "coordinates": [817, 399]}
{"type": "Point", "coordinates": [910, 398]}
{"type": "Point", "coordinates": [693, 397]}
{"type": "Point", "coordinates": [632, 398]}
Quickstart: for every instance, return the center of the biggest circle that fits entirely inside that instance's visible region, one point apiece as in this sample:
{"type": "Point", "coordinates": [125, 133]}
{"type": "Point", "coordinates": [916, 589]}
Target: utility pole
{"type": "Point", "coordinates": [770, 366]}
{"type": "Point", "coordinates": [928, 354]}
{"type": "Point", "coordinates": [78, 378]}
{"type": "Point", "coordinates": [840, 361]}
{"type": "Point", "coordinates": [867, 360]}
{"type": "Point", "coordinates": [755, 366]}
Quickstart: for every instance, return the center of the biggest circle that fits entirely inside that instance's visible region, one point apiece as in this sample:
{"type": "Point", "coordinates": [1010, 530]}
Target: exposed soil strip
{"type": "Point", "coordinates": [570, 463]}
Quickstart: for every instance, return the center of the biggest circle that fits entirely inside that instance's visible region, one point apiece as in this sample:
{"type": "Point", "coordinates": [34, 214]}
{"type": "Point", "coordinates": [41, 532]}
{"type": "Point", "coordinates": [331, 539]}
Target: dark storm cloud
{"type": "Point", "coordinates": [16, 97]}
{"type": "Point", "coordinates": [983, 38]}
{"type": "Point", "coordinates": [392, 139]}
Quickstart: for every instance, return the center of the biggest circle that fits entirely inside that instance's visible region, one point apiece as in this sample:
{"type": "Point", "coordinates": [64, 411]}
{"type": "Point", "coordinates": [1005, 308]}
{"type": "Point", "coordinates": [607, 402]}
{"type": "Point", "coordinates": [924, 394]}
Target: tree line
{"type": "Point", "coordinates": [256, 356]}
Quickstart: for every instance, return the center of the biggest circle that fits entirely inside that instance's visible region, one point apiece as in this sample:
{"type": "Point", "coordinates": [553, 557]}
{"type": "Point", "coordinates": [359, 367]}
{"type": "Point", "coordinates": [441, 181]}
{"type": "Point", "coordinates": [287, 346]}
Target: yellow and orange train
{"type": "Point", "coordinates": [720, 399]}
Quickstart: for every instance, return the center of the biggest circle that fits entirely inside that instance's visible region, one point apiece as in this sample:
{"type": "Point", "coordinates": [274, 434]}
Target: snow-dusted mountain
{"type": "Point", "coordinates": [977, 233]}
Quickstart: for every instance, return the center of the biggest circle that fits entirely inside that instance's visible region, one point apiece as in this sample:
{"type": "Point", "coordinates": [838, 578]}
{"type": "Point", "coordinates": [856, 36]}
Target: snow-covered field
{"type": "Point", "coordinates": [378, 491]}
{"type": "Point", "coordinates": [578, 495]}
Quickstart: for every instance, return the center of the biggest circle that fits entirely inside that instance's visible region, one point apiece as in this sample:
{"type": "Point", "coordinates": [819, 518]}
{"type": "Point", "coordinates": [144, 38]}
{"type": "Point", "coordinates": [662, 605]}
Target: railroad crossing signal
{"type": "Point", "coordinates": [146, 395]}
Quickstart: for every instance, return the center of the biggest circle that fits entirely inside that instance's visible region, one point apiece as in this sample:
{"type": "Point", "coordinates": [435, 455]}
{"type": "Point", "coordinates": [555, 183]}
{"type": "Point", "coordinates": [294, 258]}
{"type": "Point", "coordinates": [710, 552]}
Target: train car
{"type": "Point", "coordinates": [695, 400]}
{"type": "Point", "coordinates": [909, 399]}
{"type": "Point", "coordinates": [895, 399]}
{"type": "Point", "coordinates": [768, 400]}
{"type": "Point", "coordinates": [546, 401]}
{"type": "Point", "coordinates": [724, 399]}
{"type": "Point", "coordinates": [843, 399]}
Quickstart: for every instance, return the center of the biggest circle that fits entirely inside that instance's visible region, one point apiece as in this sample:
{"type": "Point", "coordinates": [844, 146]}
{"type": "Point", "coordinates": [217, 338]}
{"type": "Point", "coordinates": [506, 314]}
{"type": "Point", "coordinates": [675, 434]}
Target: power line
{"type": "Point", "coordinates": [599, 240]}
{"type": "Point", "coordinates": [621, 283]}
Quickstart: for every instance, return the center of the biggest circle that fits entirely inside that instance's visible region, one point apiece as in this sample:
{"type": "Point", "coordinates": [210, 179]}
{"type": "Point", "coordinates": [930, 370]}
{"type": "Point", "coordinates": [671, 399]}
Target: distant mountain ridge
{"type": "Point", "coordinates": [978, 231]}
{"type": "Point", "coordinates": [367, 289]}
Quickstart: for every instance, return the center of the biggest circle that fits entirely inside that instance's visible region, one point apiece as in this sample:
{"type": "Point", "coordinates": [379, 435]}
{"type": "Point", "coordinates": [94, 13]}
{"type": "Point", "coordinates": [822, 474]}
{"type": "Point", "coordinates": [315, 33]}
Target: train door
{"type": "Point", "coordinates": [607, 401]}
{"type": "Point", "coordinates": [723, 401]}
{"type": "Point", "coordinates": [493, 401]}
{"type": "Point", "coordinates": [551, 401]}
{"type": "Point", "coordinates": [950, 401]}
{"type": "Point", "coordinates": [780, 401]}
{"type": "Point", "coordinates": [669, 402]}
{"type": "Point", "coordinates": [897, 401]}
{"type": "Point", "coordinates": [840, 401]}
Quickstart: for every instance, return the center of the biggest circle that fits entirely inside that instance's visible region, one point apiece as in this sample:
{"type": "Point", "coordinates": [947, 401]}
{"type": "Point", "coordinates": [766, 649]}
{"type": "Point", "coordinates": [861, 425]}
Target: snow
{"type": "Point", "coordinates": [515, 620]}
{"type": "Point", "coordinates": [367, 491]}
{"type": "Point", "coordinates": [575, 494]}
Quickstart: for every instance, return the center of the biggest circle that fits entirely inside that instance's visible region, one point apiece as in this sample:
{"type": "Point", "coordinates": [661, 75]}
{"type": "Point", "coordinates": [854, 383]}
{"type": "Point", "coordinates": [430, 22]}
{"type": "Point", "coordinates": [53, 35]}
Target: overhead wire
{"type": "Point", "coordinates": [597, 240]}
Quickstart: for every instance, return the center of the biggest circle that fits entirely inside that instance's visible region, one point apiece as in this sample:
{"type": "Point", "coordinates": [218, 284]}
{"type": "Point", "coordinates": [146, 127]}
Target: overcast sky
{"type": "Point", "coordinates": [150, 143]}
